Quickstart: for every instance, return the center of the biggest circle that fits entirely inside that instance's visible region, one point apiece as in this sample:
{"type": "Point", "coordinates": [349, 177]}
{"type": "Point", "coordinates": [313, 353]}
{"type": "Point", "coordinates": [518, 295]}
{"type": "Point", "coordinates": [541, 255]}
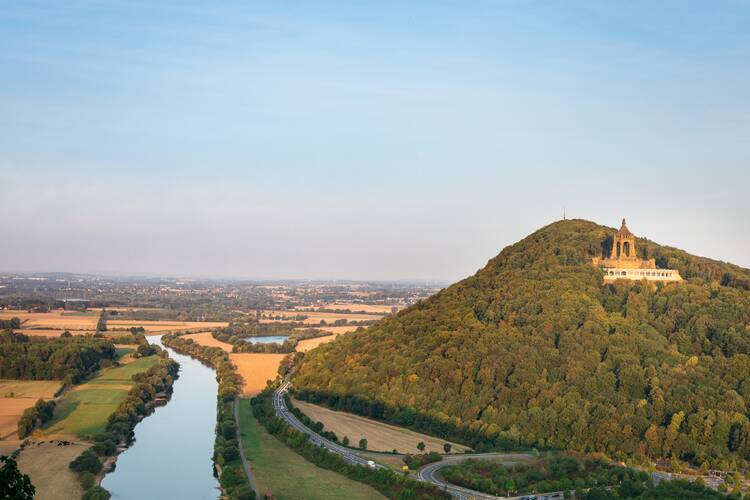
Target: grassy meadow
{"type": "Point", "coordinates": [84, 410]}
{"type": "Point", "coordinates": [273, 464]}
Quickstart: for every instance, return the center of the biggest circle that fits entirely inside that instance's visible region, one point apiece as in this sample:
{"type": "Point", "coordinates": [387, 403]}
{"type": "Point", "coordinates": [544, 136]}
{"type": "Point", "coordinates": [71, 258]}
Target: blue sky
{"type": "Point", "coordinates": [378, 140]}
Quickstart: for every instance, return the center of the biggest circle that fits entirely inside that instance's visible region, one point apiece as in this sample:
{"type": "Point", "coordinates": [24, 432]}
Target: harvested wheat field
{"type": "Point", "coordinates": [46, 462]}
{"type": "Point", "coordinates": [8, 446]}
{"type": "Point", "coordinates": [306, 345]}
{"type": "Point", "coordinates": [380, 436]}
{"type": "Point", "coordinates": [11, 410]}
{"type": "Point", "coordinates": [16, 396]}
{"type": "Point", "coordinates": [353, 306]}
{"type": "Point", "coordinates": [66, 320]}
{"type": "Point", "coordinates": [314, 318]}
{"type": "Point", "coordinates": [256, 369]}
{"type": "Point", "coordinates": [206, 339]}
{"type": "Point", "coordinates": [165, 326]}
{"type": "Point", "coordinates": [338, 330]}
{"type": "Point", "coordinates": [53, 333]}
{"type": "Point", "coordinates": [53, 320]}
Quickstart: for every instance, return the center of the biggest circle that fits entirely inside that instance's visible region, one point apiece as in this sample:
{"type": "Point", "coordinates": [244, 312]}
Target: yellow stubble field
{"type": "Point", "coordinates": [256, 370]}
{"type": "Point", "coordinates": [15, 397]}
{"type": "Point", "coordinates": [61, 320]}
{"type": "Point", "coordinates": [314, 318]}
{"type": "Point", "coordinates": [206, 339]}
{"type": "Point", "coordinates": [353, 306]}
{"type": "Point", "coordinates": [47, 464]}
{"type": "Point", "coordinates": [380, 436]}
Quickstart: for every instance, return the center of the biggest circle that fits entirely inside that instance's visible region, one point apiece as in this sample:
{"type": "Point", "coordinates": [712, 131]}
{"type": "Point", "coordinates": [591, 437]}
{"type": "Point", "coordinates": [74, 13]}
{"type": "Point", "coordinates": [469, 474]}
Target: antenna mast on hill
{"type": "Point", "coordinates": [564, 217]}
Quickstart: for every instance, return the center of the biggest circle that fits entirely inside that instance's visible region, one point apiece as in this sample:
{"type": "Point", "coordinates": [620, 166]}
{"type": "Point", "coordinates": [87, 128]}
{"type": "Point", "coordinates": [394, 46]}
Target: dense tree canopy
{"type": "Point", "coordinates": [68, 359]}
{"type": "Point", "coordinates": [535, 349]}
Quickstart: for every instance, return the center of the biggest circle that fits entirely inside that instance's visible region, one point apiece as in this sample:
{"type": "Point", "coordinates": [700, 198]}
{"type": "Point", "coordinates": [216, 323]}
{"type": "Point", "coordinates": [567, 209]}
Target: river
{"type": "Point", "coordinates": [171, 456]}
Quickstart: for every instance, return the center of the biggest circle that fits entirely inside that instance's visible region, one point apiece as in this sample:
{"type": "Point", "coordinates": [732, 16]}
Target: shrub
{"type": "Point", "coordinates": [87, 480]}
{"type": "Point", "coordinates": [86, 462]}
{"type": "Point", "coordinates": [96, 493]}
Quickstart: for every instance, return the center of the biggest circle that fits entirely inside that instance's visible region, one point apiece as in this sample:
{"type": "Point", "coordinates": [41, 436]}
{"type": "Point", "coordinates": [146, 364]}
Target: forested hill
{"type": "Point", "coordinates": [535, 350]}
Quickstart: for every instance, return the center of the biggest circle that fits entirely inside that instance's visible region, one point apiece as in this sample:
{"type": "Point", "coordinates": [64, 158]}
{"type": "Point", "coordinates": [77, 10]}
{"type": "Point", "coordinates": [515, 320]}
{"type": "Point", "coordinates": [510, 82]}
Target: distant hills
{"type": "Point", "coordinates": [535, 350]}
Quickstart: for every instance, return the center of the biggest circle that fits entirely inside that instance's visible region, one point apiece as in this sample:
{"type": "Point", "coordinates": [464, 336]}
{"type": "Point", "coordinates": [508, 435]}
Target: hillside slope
{"type": "Point", "coordinates": [534, 350]}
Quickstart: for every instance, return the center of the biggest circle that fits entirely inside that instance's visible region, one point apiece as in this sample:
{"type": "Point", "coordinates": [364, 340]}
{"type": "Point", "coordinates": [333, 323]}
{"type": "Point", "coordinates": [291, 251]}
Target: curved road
{"type": "Point", "coordinates": [426, 474]}
{"type": "Point", "coordinates": [279, 405]}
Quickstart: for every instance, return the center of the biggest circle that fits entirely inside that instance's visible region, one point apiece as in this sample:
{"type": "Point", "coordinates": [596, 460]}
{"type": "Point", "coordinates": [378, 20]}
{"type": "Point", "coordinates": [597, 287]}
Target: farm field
{"type": "Point", "coordinates": [380, 436]}
{"type": "Point", "coordinates": [84, 410]}
{"type": "Point", "coordinates": [274, 465]}
{"type": "Point", "coordinates": [53, 333]}
{"type": "Point", "coordinates": [353, 306]}
{"type": "Point", "coordinates": [306, 345]}
{"type": "Point", "coordinates": [165, 326]}
{"type": "Point", "coordinates": [206, 339]}
{"type": "Point", "coordinates": [62, 320]}
{"type": "Point", "coordinates": [256, 369]}
{"type": "Point", "coordinates": [15, 397]}
{"type": "Point", "coordinates": [339, 329]}
{"type": "Point", "coordinates": [46, 463]}
{"type": "Point", "coordinates": [314, 318]}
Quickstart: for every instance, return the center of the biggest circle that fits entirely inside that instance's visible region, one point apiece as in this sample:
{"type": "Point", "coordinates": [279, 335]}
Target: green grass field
{"type": "Point", "coordinates": [286, 474]}
{"type": "Point", "coordinates": [44, 389]}
{"type": "Point", "coordinates": [84, 410]}
{"type": "Point", "coordinates": [122, 351]}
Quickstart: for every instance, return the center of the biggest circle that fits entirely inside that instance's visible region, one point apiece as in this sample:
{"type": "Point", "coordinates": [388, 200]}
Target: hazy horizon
{"type": "Point", "coordinates": [366, 142]}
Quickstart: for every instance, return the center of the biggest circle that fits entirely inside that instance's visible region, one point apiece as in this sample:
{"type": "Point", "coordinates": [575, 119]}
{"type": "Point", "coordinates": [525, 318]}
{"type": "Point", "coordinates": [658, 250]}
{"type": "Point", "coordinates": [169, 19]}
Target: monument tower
{"type": "Point", "coordinates": [623, 261]}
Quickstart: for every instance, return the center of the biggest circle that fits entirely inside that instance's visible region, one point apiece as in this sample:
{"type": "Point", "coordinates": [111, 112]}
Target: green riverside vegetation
{"type": "Point", "coordinates": [535, 350]}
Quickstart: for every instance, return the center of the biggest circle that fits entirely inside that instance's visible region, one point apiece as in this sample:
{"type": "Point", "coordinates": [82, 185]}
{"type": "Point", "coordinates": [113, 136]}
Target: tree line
{"type": "Point", "coordinates": [68, 359]}
{"type": "Point", "coordinates": [34, 417]}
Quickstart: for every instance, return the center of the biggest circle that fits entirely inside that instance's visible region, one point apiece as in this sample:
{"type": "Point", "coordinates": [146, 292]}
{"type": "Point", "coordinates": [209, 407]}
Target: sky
{"type": "Point", "coordinates": [364, 140]}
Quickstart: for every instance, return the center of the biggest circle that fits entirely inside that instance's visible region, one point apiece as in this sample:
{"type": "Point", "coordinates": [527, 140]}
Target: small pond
{"type": "Point", "coordinates": [269, 339]}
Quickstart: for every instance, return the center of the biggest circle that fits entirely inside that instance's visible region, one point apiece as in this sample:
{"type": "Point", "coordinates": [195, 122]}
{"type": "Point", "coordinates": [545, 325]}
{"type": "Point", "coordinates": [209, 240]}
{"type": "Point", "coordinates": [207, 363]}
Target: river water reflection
{"type": "Point", "coordinates": [171, 457]}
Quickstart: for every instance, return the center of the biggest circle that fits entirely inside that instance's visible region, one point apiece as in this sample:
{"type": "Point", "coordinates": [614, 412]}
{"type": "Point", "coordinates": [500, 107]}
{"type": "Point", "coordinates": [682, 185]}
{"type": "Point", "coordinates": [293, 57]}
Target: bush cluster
{"type": "Point", "coordinates": [34, 417]}
{"type": "Point", "coordinates": [417, 461]}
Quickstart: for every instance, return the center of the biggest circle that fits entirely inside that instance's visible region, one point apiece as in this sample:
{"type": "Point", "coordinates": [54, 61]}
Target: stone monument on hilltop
{"type": "Point", "coordinates": [623, 261]}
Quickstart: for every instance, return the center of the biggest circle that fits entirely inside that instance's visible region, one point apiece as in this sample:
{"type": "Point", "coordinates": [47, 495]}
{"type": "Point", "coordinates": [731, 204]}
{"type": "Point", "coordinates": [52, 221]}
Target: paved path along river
{"type": "Point", "coordinates": [171, 457]}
